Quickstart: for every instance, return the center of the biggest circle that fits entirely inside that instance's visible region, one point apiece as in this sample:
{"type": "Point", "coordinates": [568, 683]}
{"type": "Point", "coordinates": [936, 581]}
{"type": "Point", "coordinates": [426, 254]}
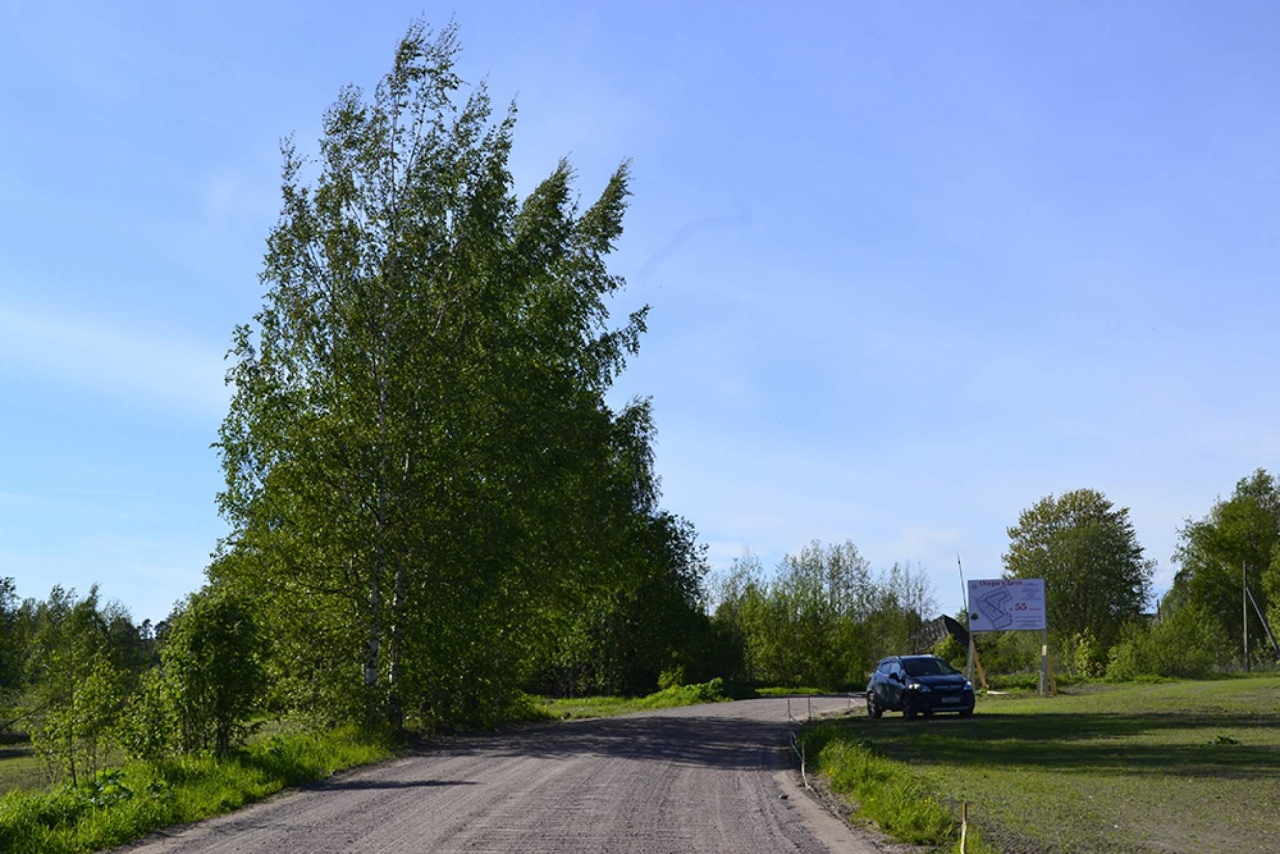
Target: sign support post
{"type": "Point", "coordinates": [1044, 664]}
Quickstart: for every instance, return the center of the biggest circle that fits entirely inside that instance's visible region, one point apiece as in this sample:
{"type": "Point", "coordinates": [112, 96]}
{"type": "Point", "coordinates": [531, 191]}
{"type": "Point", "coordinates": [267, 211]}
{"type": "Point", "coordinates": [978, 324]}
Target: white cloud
{"type": "Point", "coordinates": [155, 370]}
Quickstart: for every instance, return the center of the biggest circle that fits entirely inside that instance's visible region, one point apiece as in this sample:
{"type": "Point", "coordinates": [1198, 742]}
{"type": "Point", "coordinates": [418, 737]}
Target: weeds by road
{"type": "Point", "coordinates": [130, 801]}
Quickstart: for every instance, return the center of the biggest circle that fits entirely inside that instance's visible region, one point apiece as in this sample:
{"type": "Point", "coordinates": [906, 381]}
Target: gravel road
{"type": "Point", "coordinates": [711, 778]}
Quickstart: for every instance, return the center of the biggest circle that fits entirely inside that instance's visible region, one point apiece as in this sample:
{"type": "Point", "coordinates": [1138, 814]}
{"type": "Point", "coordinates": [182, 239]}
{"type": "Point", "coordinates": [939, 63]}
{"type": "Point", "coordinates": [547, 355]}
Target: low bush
{"type": "Point", "coordinates": [1187, 644]}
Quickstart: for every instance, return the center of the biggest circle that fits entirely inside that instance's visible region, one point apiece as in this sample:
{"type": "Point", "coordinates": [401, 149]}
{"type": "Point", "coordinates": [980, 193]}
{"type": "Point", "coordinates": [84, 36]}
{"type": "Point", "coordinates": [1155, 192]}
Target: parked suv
{"type": "Point", "coordinates": [921, 684]}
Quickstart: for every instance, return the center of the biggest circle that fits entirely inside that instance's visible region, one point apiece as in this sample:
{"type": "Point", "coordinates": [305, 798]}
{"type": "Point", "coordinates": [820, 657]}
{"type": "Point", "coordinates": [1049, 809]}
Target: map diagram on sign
{"type": "Point", "coordinates": [1006, 604]}
{"type": "Point", "coordinates": [992, 607]}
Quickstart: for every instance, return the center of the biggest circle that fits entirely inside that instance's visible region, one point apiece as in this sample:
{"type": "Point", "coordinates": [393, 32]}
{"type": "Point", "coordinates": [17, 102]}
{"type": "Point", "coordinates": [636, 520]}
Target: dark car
{"type": "Point", "coordinates": [921, 684]}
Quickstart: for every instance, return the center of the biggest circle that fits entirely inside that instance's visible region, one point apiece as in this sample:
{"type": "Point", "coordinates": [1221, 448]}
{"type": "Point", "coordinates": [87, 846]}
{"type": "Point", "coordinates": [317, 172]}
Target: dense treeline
{"type": "Point", "coordinates": [1228, 584]}
{"type": "Point", "coordinates": [823, 618]}
{"type": "Point", "coordinates": [1098, 588]}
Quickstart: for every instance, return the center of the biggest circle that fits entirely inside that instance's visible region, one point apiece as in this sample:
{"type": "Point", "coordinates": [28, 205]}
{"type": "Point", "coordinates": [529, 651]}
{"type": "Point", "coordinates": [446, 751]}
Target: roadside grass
{"type": "Point", "coordinates": [128, 802]}
{"type": "Point", "coordinates": [1169, 767]}
{"type": "Point", "coordinates": [715, 691]}
{"type": "Point", "coordinates": [782, 691]}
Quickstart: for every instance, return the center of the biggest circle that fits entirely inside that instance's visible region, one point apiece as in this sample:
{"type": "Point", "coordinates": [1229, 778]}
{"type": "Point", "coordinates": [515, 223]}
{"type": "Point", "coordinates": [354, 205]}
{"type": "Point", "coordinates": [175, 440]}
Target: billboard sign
{"type": "Point", "coordinates": [1006, 605]}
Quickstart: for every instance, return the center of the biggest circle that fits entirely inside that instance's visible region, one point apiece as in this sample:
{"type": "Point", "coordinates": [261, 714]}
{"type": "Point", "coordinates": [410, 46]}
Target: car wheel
{"type": "Point", "coordinates": [873, 708]}
{"type": "Point", "coordinates": [964, 713]}
{"type": "Point", "coordinates": [928, 714]}
{"type": "Point", "coordinates": [908, 710]}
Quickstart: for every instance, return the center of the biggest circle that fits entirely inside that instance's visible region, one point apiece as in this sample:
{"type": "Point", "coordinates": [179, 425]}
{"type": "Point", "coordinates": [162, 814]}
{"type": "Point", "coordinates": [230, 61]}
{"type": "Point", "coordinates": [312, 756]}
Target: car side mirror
{"type": "Point", "coordinates": [895, 677]}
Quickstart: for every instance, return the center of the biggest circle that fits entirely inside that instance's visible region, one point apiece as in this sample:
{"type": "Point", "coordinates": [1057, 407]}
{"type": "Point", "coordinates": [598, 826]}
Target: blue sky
{"type": "Point", "coordinates": [913, 266]}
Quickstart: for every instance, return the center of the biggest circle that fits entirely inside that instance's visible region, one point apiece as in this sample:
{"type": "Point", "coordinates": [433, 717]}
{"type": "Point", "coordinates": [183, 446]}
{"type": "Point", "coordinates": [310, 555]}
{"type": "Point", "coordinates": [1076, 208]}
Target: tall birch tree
{"type": "Point", "coordinates": [419, 459]}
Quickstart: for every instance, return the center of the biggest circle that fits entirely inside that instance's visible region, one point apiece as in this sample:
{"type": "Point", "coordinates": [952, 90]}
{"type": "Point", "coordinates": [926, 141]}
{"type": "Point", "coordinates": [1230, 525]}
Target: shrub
{"type": "Point", "coordinates": [1187, 644]}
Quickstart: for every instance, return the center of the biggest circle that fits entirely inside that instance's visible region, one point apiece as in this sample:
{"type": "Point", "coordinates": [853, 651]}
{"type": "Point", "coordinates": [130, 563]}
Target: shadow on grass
{"type": "Point", "coordinates": [1083, 743]}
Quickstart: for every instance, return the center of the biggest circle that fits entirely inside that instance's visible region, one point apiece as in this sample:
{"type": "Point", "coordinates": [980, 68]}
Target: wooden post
{"type": "Point", "coordinates": [977, 661]}
{"type": "Point", "coordinates": [1044, 664]}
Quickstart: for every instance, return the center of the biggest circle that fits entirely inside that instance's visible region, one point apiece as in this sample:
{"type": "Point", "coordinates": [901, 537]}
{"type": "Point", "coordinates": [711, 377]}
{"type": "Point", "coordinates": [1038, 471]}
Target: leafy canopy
{"type": "Point", "coordinates": [1085, 548]}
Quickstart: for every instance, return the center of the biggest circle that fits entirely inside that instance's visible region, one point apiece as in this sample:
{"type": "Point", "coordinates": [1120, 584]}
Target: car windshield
{"type": "Point", "coordinates": [927, 667]}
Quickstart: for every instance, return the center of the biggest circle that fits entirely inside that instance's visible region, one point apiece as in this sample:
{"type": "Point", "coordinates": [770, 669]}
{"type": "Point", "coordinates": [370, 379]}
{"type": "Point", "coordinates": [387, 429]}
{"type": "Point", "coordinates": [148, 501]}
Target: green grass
{"type": "Point", "coordinates": [128, 802]}
{"type": "Point", "coordinates": [782, 691]}
{"type": "Point", "coordinates": [715, 691]}
{"type": "Point", "coordinates": [1178, 766]}
{"type": "Point", "coordinates": [19, 766]}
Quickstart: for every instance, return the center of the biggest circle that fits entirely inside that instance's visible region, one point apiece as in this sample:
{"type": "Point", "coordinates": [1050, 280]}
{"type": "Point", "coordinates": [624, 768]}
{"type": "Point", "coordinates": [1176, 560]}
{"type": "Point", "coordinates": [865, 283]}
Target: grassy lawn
{"type": "Point", "coordinates": [1185, 766]}
{"type": "Point", "coordinates": [19, 768]}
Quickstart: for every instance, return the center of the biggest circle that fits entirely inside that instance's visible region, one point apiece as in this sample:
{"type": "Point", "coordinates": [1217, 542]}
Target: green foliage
{"type": "Point", "coordinates": [11, 642]}
{"type": "Point", "coordinates": [431, 499]}
{"type": "Point", "coordinates": [78, 668]}
{"type": "Point", "coordinates": [149, 727]}
{"type": "Point", "coordinates": [1009, 652]}
{"type": "Point", "coordinates": [633, 640]}
{"type": "Point", "coordinates": [1096, 578]}
{"type": "Point", "coordinates": [1239, 541]}
{"type": "Point", "coordinates": [210, 680]}
{"type": "Point", "coordinates": [824, 619]}
{"type": "Point", "coordinates": [1187, 643]}
{"type": "Point", "coordinates": [116, 806]}
{"type": "Point", "coordinates": [952, 651]}
{"type": "Point", "coordinates": [212, 655]}
{"type": "Point", "coordinates": [714, 691]}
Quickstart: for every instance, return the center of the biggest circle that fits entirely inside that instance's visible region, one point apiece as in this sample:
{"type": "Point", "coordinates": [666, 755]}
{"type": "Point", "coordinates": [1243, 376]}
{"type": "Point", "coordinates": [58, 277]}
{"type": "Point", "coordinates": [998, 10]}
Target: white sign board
{"type": "Point", "coordinates": [1006, 605]}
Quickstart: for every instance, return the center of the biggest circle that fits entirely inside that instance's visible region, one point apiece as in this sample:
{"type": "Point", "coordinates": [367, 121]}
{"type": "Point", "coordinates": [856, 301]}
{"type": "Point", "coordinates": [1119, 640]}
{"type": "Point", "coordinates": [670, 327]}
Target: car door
{"type": "Point", "coordinates": [893, 684]}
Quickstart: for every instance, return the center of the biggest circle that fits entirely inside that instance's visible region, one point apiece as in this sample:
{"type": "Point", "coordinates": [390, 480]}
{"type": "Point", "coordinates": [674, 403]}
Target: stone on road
{"type": "Point", "coordinates": [696, 779]}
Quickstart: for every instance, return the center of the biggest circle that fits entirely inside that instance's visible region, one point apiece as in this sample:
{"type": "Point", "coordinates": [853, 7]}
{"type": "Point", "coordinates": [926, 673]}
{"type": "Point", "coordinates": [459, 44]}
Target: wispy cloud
{"type": "Point", "coordinates": [152, 369]}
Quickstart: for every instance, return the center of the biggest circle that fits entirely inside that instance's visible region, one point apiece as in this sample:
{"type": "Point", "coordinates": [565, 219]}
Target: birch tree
{"type": "Point", "coordinates": [419, 459]}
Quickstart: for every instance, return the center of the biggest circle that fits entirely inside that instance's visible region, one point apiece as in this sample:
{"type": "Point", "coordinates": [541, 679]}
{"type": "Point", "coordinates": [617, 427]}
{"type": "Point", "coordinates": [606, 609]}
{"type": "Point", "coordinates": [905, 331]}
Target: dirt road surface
{"type": "Point", "coordinates": [712, 778]}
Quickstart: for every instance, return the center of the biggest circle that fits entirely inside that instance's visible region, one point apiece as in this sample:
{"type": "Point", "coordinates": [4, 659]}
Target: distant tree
{"type": "Point", "coordinates": [1096, 578]}
{"type": "Point", "coordinates": [738, 596]}
{"type": "Point", "coordinates": [903, 602]}
{"type": "Point", "coordinates": [819, 601]}
{"type": "Point", "coordinates": [11, 646]}
{"type": "Point", "coordinates": [78, 682]}
{"type": "Point", "coordinates": [1187, 642]}
{"type": "Point", "coordinates": [823, 618]}
{"type": "Point", "coordinates": [1237, 542]}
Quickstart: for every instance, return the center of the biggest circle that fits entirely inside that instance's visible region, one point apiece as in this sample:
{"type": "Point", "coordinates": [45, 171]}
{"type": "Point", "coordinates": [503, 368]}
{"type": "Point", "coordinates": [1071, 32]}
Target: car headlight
{"type": "Point", "coordinates": [917, 687]}
{"type": "Point", "coordinates": [968, 686]}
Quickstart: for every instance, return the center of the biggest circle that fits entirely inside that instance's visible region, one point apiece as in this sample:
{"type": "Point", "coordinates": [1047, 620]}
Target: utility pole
{"type": "Point", "coordinates": [964, 591]}
{"type": "Point", "coordinates": [1244, 606]}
